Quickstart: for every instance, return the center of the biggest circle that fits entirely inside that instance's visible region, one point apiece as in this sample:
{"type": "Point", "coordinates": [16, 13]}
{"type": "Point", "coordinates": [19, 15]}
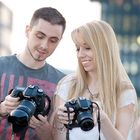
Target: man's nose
{"type": "Point", "coordinates": [45, 44]}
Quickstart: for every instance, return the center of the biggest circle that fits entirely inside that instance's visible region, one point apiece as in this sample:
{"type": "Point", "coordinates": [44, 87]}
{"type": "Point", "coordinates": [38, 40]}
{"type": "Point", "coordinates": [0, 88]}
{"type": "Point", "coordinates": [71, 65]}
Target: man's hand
{"type": "Point", "coordinates": [42, 127]}
{"type": "Point", "coordinates": [9, 104]}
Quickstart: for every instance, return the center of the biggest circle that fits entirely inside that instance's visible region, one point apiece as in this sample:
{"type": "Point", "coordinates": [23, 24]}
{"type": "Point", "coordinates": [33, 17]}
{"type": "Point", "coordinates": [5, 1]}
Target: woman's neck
{"type": "Point", "coordinates": [92, 78]}
{"type": "Point", "coordinates": [92, 81]}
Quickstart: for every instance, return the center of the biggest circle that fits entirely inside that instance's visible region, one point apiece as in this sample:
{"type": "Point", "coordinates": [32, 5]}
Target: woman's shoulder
{"type": "Point", "coordinates": [126, 85]}
{"type": "Point", "coordinates": [65, 83]}
{"type": "Point", "coordinates": [64, 86]}
{"type": "Point", "coordinates": [68, 79]}
{"type": "Point", "coordinates": [127, 94]}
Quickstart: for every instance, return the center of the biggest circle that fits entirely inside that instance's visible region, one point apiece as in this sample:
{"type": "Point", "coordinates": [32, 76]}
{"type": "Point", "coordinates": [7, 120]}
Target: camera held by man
{"type": "Point", "coordinates": [33, 101]}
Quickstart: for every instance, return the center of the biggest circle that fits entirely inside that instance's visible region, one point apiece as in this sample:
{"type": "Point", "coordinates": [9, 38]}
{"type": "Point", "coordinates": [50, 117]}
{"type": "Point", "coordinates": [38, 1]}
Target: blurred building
{"type": "Point", "coordinates": [5, 29]}
{"type": "Point", "coordinates": [124, 17]}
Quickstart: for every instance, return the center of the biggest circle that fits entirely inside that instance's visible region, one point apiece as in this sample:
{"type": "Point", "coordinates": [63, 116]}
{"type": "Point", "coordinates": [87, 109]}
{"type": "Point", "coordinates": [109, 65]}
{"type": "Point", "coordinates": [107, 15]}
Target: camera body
{"type": "Point", "coordinates": [33, 102]}
{"type": "Point", "coordinates": [83, 110]}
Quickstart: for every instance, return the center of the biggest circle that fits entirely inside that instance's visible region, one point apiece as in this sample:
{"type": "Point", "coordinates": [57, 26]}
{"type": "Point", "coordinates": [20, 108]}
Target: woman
{"type": "Point", "coordinates": [101, 78]}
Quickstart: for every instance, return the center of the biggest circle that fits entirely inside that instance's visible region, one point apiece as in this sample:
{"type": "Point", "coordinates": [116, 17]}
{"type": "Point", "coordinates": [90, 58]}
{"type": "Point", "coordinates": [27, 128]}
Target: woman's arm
{"type": "Point", "coordinates": [58, 130]}
{"type": "Point", "coordinates": [124, 120]}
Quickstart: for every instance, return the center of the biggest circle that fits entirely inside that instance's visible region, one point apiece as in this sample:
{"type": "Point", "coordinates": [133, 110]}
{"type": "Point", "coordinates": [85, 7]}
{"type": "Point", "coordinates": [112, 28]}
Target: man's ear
{"type": "Point", "coordinates": [27, 30]}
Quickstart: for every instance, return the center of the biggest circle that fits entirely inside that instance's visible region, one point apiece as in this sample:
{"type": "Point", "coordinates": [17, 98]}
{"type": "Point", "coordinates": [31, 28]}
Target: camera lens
{"type": "Point", "coordinates": [85, 121]}
{"type": "Point", "coordinates": [19, 117]}
{"type": "Point", "coordinates": [22, 114]}
{"type": "Point", "coordinates": [87, 125]}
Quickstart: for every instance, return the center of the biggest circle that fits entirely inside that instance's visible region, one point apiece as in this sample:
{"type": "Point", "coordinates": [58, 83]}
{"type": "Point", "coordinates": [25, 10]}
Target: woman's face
{"type": "Point", "coordinates": [86, 56]}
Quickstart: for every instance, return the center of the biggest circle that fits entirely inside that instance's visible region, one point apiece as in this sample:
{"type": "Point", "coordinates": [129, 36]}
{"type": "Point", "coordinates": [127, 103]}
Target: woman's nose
{"type": "Point", "coordinates": [81, 53]}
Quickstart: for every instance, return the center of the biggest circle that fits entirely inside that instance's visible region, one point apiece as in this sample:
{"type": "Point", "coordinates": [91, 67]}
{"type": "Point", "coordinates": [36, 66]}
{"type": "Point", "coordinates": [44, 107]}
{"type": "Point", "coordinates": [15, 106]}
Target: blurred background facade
{"type": "Point", "coordinates": [5, 29]}
{"type": "Point", "coordinates": [124, 17]}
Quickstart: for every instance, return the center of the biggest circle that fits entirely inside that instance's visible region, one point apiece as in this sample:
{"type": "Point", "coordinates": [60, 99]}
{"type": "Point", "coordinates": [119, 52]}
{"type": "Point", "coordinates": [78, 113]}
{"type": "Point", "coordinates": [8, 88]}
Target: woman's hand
{"type": "Point", "coordinates": [62, 114]}
{"type": "Point", "coordinates": [98, 113]}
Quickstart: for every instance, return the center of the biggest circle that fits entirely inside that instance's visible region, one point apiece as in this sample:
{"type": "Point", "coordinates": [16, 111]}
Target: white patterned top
{"type": "Point", "coordinates": [126, 98]}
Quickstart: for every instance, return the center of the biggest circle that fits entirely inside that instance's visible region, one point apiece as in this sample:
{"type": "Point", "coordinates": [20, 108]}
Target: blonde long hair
{"type": "Point", "coordinates": [112, 77]}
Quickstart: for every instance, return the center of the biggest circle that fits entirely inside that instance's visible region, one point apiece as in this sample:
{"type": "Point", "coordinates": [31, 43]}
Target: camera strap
{"type": "Point", "coordinates": [98, 119]}
{"type": "Point", "coordinates": [47, 109]}
{"type": "Point", "coordinates": [20, 134]}
{"type": "Point", "coordinates": [68, 126]}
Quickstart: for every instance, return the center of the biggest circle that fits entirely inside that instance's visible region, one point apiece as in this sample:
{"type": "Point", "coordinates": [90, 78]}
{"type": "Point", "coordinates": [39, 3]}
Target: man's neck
{"type": "Point", "coordinates": [29, 61]}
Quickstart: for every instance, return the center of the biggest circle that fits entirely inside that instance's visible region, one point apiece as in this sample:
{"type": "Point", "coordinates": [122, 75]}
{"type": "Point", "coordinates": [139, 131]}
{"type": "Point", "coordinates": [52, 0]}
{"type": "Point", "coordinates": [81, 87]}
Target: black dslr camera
{"type": "Point", "coordinates": [33, 102]}
{"type": "Point", "coordinates": [83, 118]}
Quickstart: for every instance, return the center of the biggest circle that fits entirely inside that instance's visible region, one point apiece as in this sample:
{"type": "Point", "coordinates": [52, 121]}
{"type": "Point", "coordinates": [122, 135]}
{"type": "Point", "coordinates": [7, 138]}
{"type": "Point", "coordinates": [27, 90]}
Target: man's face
{"type": "Point", "coordinates": [43, 39]}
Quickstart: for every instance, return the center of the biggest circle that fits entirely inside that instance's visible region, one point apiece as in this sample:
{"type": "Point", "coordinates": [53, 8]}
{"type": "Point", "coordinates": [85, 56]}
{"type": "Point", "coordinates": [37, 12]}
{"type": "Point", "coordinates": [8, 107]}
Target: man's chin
{"type": "Point", "coordinates": [39, 59]}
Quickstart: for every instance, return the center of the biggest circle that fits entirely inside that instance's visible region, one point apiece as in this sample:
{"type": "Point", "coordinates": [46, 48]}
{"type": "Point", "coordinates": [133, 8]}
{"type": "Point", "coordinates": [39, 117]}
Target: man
{"type": "Point", "coordinates": [30, 68]}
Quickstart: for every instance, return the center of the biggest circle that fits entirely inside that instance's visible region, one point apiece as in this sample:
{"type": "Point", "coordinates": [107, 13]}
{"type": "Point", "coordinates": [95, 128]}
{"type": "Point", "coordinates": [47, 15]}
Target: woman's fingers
{"type": "Point", "coordinates": [62, 115]}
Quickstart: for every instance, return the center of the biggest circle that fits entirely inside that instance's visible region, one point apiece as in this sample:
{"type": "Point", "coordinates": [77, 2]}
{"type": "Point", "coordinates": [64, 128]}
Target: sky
{"type": "Point", "coordinates": [76, 12]}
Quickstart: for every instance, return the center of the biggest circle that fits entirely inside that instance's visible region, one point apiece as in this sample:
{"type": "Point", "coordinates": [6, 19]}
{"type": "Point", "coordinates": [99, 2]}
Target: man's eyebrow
{"type": "Point", "coordinates": [46, 35]}
{"type": "Point", "coordinates": [41, 33]}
